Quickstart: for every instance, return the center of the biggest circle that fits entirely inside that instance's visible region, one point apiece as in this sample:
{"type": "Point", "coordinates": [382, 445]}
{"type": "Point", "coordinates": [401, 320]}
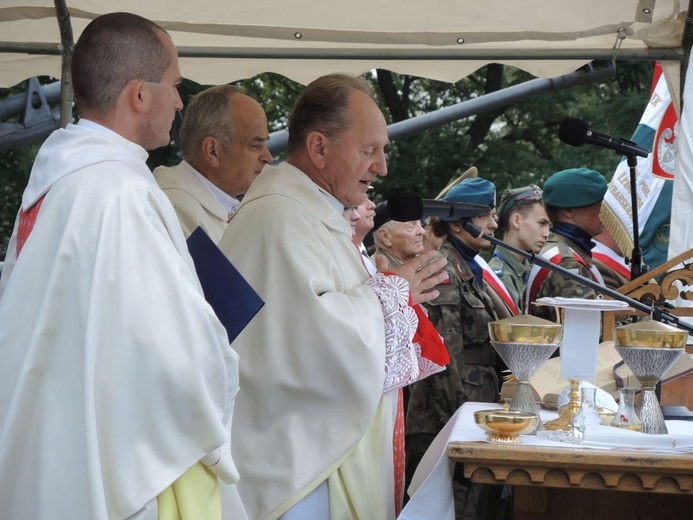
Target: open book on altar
{"type": "Point", "coordinates": [547, 383]}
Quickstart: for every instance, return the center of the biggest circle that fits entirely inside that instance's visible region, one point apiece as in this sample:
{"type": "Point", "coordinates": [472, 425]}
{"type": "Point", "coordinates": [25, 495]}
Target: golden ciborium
{"type": "Point", "coordinates": [505, 426]}
{"type": "Point", "coordinates": [524, 343]}
{"type": "Point", "coordinates": [650, 348]}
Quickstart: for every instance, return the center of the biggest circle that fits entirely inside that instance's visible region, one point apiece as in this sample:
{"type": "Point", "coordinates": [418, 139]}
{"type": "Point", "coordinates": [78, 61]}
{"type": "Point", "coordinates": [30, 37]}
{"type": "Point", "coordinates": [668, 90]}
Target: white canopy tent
{"type": "Point", "coordinates": [221, 41]}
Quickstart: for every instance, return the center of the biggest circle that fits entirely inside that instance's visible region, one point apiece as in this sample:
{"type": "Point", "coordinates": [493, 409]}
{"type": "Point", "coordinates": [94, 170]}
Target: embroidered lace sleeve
{"type": "Point", "coordinates": [401, 362]}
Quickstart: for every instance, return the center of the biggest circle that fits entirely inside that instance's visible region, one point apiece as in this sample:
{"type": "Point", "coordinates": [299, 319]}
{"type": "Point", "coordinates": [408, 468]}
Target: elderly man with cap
{"type": "Point", "coordinates": [525, 225]}
{"type": "Point", "coordinates": [397, 241]}
{"type": "Point", "coordinates": [461, 314]}
{"type": "Point", "coordinates": [573, 199]}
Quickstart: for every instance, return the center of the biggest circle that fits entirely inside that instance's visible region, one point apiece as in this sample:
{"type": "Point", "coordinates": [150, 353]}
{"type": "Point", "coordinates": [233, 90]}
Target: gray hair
{"type": "Point", "coordinates": [208, 114]}
{"type": "Point", "coordinates": [323, 106]}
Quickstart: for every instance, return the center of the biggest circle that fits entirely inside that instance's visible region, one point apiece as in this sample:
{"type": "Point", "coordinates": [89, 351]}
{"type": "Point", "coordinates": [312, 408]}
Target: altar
{"type": "Point", "coordinates": [612, 475]}
{"type": "Point", "coordinates": [583, 484]}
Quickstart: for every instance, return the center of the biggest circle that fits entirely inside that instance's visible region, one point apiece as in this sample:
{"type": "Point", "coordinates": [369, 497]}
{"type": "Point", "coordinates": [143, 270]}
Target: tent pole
{"type": "Point", "coordinates": [273, 53]}
{"type": "Point", "coordinates": [67, 43]}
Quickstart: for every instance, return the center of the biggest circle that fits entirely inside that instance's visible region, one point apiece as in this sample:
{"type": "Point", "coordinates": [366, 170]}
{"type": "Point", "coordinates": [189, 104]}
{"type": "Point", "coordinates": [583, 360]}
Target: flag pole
{"type": "Point", "coordinates": [637, 267]}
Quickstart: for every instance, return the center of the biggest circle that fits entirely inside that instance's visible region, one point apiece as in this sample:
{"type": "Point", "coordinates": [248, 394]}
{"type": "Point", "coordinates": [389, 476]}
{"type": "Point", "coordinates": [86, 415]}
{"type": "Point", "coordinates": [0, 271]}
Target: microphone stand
{"type": "Point", "coordinates": [655, 313]}
{"type": "Point", "coordinates": [636, 261]}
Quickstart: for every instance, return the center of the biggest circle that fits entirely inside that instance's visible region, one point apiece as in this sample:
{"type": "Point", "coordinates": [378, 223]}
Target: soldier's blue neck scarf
{"type": "Point", "coordinates": [468, 254]}
{"type": "Point", "coordinates": [576, 234]}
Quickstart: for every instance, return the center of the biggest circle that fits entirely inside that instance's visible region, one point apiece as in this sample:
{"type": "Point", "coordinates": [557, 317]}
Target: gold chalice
{"type": "Point", "coordinates": [650, 334]}
{"type": "Point", "coordinates": [505, 426]}
{"type": "Point", "coordinates": [650, 348]}
{"type": "Point", "coordinates": [527, 330]}
{"type": "Point", "coordinates": [524, 343]}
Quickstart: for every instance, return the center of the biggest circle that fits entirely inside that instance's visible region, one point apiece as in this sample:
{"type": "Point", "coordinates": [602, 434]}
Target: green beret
{"type": "Point", "coordinates": [513, 195]}
{"type": "Point", "coordinates": [574, 188]}
{"type": "Point", "coordinates": [473, 191]}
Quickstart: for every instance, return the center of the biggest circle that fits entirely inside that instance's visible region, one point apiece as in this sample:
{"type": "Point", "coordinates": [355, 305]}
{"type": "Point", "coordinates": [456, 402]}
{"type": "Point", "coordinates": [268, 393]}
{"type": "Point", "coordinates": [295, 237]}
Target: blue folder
{"type": "Point", "coordinates": [233, 299]}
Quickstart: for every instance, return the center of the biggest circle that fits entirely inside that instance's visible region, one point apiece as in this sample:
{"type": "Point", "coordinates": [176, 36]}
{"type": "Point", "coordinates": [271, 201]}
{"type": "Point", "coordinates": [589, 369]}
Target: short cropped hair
{"type": "Point", "coordinates": [523, 207]}
{"type": "Point", "coordinates": [208, 114]}
{"type": "Point", "coordinates": [114, 49]}
{"type": "Point", "coordinates": [323, 106]}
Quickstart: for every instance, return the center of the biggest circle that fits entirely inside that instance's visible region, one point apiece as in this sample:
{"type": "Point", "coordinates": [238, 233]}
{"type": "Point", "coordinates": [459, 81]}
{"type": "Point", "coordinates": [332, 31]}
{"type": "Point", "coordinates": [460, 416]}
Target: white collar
{"type": "Point", "coordinates": [338, 206]}
{"type": "Point", "coordinates": [229, 203]}
{"type": "Point", "coordinates": [97, 127]}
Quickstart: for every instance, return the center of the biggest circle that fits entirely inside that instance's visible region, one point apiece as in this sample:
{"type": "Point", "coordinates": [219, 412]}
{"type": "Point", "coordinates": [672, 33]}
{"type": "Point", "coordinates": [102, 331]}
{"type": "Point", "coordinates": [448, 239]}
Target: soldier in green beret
{"type": "Point", "coordinates": [573, 199]}
{"type": "Point", "coordinates": [525, 225]}
{"type": "Point", "coordinates": [460, 314]}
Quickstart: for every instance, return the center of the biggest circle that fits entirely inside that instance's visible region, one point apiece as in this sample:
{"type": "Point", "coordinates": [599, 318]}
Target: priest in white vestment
{"type": "Point", "coordinates": [313, 423]}
{"type": "Point", "coordinates": [117, 381]}
{"type": "Point", "coordinates": [223, 140]}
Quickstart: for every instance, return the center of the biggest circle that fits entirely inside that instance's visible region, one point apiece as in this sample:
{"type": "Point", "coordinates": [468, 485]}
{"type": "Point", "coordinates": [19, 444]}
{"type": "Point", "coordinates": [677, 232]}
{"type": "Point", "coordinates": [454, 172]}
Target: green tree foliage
{"type": "Point", "coordinates": [277, 95]}
{"type": "Point", "coordinates": [15, 166]}
{"type": "Point", "coordinates": [511, 146]}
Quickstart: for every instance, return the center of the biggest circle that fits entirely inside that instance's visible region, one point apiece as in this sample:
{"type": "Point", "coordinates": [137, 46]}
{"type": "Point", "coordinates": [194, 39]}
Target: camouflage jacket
{"type": "Point", "coordinates": [394, 262]}
{"type": "Point", "coordinates": [513, 273]}
{"type": "Point", "coordinates": [612, 278]}
{"type": "Point", "coordinates": [546, 283]}
{"type": "Point", "coordinates": [460, 314]}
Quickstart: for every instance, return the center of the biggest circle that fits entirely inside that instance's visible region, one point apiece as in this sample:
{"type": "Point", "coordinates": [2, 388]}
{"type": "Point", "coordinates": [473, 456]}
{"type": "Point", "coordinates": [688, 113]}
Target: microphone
{"type": "Point", "coordinates": [406, 206]}
{"type": "Point", "coordinates": [473, 229]}
{"type": "Point", "coordinates": [576, 132]}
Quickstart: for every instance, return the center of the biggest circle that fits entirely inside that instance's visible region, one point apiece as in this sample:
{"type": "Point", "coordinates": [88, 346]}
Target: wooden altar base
{"type": "Point", "coordinates": [582, 504]}
{"type": "Point", "coordinates": [575, 484]}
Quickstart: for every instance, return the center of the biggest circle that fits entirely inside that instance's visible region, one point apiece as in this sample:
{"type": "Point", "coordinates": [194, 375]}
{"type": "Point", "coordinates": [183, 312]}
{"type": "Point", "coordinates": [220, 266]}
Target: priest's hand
{"type": "Point", "coordinates": [422, 273]}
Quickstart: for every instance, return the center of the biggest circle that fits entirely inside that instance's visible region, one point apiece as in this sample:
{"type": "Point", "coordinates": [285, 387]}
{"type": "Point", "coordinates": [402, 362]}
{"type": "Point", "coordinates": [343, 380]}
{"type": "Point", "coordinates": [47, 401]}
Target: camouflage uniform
{"type": "Point", "coordinates": [394, 262]}
{"type": "Point", "coordinates": [555, 284]}
{"type": "Point", "coordinates": [612, 278]}
{"type": "Point", "coordinates": [513, 273]}
{"type": "Point", "coordinates": [460, 314]}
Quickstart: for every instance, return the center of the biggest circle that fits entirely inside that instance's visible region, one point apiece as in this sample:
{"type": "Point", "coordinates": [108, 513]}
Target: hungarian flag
{"type": "Point", "coordinates": [654, 180]}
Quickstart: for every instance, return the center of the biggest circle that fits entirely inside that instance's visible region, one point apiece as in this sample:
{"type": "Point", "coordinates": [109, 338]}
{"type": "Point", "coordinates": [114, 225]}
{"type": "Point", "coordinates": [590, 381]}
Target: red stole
{"type": "Point", "coordinates": [27, 219]}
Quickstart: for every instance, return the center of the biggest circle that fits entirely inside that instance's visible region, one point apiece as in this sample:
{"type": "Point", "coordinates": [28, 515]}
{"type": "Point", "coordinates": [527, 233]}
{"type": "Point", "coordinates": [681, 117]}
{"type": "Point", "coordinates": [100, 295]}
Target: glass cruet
{"type": "Point", "coordinates": [587, 415]}
{"type": "Point", "coordinates": [625, 416]}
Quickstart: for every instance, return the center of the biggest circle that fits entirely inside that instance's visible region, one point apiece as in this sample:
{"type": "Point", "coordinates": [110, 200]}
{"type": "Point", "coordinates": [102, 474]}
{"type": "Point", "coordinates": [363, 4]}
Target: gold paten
{"type": "Point", "coordinates": [505, 426]}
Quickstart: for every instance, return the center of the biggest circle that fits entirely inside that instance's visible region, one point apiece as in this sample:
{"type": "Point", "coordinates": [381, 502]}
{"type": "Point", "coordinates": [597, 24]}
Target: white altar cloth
{"type": "Point", "coordinates": [431, 486]}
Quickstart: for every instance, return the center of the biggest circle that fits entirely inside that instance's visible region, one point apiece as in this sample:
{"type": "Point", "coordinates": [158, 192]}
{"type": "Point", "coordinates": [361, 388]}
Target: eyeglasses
{"type": "Point", "coordinates": [351, 212]}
